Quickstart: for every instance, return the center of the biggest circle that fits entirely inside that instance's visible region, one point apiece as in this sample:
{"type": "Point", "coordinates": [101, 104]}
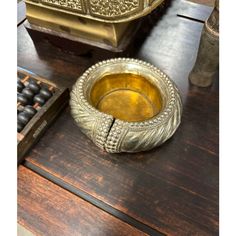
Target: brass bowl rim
{"type": "Point", "coordinates": [170, 93]}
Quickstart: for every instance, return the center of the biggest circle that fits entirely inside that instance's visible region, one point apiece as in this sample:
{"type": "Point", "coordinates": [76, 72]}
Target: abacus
{"type": "Point", "coordinates": [39, 101]}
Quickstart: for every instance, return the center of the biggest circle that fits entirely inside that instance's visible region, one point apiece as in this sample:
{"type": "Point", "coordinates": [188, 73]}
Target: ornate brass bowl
{"type": "Point", "coordinates": [126, 105]}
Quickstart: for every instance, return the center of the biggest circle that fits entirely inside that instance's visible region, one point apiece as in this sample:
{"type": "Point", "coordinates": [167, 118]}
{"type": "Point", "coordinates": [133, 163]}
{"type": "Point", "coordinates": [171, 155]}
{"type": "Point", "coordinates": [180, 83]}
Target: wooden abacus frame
{"type": "Point", "coordinates": [43, 118]}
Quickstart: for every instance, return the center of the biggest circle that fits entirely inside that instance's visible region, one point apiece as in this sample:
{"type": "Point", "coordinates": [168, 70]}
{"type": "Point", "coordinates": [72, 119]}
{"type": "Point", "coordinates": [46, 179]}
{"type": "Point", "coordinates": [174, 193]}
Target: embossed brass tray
{"type": "Point", "coordinates": [110, 11]}
{"type": "Point", "coordinates": [126, 105]}
{"type": "Point", "coordinates": [107, 24]}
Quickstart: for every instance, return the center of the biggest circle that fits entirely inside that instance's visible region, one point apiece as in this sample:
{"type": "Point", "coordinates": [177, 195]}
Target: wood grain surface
{"type": "Point", "coordinates": [173, 189]}
{"type": "Point", "coordinates": [46, 209]}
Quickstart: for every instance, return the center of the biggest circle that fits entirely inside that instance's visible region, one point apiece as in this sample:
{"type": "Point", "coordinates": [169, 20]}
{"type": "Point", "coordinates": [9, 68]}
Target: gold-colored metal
{"type": "Point", "coordinates": [93, 21]}
{"type": "Point", "coordinates": [110, 11]}
{"type": "Point", "coordinates": [126, 105]}
{"type": "Point", "coordinates": [126, 96]}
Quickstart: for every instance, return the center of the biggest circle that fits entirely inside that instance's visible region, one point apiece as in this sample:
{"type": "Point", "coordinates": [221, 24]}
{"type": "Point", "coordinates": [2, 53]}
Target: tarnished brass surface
{"type": "Point", "coordinates": [110, 11]}
{"type": "Point", "coordinates": [96, 22]}
{"type": "Point", "coordinates": [82, 28]}
{"type": "Point", "coordinates": [126, 105]}
{"type": "Point", "coordinates": [207, 61]}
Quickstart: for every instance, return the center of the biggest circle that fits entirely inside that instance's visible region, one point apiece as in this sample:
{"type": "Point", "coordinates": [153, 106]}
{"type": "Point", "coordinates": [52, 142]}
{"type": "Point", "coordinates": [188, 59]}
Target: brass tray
{"type": "Point", "coordinates": [101, 23]}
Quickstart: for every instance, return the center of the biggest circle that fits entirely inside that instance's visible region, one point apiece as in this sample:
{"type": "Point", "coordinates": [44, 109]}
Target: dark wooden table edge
{"type": "Point", "coordinates": [92, 200]}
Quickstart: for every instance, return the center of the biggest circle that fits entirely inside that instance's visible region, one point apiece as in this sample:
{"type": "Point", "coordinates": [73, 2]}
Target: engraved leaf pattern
{"type": "Point", "coordinates": [83, 119]}
{"type": "Point", "coordinates": [93, 124]}
{"type": "Point", "coordinates": [113, 7]}
{"type": "Point", "coordinates": [71, 4]}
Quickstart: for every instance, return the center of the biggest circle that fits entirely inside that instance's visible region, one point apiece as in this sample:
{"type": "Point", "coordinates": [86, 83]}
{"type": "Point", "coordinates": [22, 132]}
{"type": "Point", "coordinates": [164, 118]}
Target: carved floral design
{"type": "Point", "coordinates": [71, 4]}
{"type": "Point", "coordinates": [111, 8]}
{"type": "Point", "coordinates": [110, 11]}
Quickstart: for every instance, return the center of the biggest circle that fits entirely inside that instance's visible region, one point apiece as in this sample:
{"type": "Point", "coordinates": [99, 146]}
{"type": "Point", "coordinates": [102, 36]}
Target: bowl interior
{"type": "Point", "coordinates": [126, 96]}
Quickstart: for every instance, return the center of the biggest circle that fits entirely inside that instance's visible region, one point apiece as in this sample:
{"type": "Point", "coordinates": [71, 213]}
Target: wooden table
{"type": "Point", "coordinates": [68, 186]}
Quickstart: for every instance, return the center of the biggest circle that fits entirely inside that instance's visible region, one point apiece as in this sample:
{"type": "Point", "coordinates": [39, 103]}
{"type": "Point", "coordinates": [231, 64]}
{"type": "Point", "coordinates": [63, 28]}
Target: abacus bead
{"type": "Point", "coordinates": [20, 126]}
{"type": "Point", "coordinates": [34, 87]}
{"type": "Point", "coordinates": [23, 118]}
{"type": "Point", "coordinates": [22, 99]}
{"type": "Point", "coordinates": [39, 99]}
{"type": "Point", "coordinates": [28, 93]}
{"type": "Point", "coordinates": [30, 111]}
{"type": "Point", "coordinates": [20, 86]}
{"type": "Point", "coordinates": [45, 93]}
